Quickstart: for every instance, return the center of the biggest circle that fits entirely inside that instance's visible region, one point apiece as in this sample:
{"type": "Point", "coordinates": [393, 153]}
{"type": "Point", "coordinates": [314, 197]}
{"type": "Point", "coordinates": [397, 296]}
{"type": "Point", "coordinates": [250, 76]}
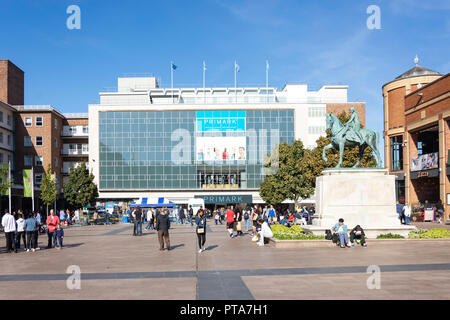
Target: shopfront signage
{"type": "Point", "coordinates": [433, 173]}
{"type": "Point", "coordinates": [223, 199]}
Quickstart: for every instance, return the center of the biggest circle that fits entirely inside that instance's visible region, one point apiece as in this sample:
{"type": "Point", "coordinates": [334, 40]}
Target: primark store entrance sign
{"type": "Point", "coordinates": [225, 199]}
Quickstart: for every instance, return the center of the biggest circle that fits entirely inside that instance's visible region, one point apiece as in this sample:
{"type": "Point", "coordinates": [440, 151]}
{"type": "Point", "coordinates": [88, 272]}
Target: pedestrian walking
{"type": "Point", "coordinates": [137, 215]}
{"type": "Point", "coordinates": [163, 226]}
{"type": "Point", "coordinates": [52, 222]}
{"type": "Point", "coordinates": [191, 215]}
{"type": "Point", "coordinates": [407, 213]}
{"type": "Point", "coordinates": [150, 218]}
{"type": "Point", "coordinates": [246, 218]}
{"type": "Point", "coordinates": [37, 218]}
{"type": "Point", "coordinates": [200, 221]}
{"type": "Point", "coordinates": [182, 215]}
{"type": "Point", "coordinates": [60, 235]}
{"type": "Point", "coordinates": [238, 217]}
{"type": "Point", "coordinates": [20, 234]}
{"type": "Point", "coordinates": [9, 228]}
{"type": "Point", "coordinates": [230, 221]}
{"type": "Point", "coordinates": [31, 230]}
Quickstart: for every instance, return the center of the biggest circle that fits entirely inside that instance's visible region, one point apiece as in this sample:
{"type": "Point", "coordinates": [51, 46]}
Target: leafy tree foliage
{"type": "Point", "coordinates": [48, 188]}
{"type": "Point", "coordinates": [80, 189]}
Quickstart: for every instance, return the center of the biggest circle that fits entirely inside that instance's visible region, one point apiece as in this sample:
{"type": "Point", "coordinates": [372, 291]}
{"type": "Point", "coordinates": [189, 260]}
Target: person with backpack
{"type": "Point", "coordinates": [341, 229]}
{"type": "Point", "coordinates": [238, 215]}
{"type": "Point", "coordinates": [246, 219]}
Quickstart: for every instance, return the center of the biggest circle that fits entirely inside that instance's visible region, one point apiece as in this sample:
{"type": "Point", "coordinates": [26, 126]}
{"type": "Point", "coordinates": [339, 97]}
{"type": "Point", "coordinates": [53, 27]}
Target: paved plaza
{"type": "Point", "coordinates": [116, 265]}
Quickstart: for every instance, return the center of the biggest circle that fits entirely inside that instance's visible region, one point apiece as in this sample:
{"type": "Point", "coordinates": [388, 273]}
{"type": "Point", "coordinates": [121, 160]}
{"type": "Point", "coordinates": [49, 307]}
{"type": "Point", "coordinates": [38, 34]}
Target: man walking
{"type": "Point", "coordinates": [52, 222]}
{"type": "Point", "coordinates": [163, 226]}
{"type": "Point", "coordinates": [191, 215]}
{"type": "Point", "coordinates": [137, 215]}
{"type": "Point", "coordinates": [9, 227]}
{"type": "Point", "coordinates": [230, 221]}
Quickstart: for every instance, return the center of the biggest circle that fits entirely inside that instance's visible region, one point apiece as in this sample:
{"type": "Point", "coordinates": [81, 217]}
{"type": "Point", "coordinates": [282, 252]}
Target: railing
{"type": "Point", "coordinates": [74, 152]}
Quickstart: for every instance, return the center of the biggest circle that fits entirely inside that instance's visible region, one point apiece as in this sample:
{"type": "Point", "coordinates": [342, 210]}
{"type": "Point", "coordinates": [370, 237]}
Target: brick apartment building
{"type": "Point", "coordinates": [416, 112]}
{"type": "Point", "coordinates": [36, 136]}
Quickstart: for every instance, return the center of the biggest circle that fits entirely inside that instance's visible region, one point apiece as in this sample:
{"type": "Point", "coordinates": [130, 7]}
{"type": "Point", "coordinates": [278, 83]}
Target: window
{"type": "Point", "coordinates": [1, 116]}
{"type": "Point", "coordinates": [9, 140]}
{"type": "Point", "coordinates": [85, 148]}
{"type": "Point", "coordinates": [28, 121]}
{"type": "Point", "coordinates": [73, 130]}
{"type": "Point", "coordinates": [27, 160]}
{"type": "Point", "coordinates": [1, 157]}
{"type": "Point", "coordinates": [56, 123]}
{"type": "Point", "coordinates": [397, 153]}
{"type": "Point", "coordinates": [9, 119]}
{"type": "Point", "coordinates": [38, 178]}
{"type": "Point", "coordinates": [38, 160]}
{"type": "Point", "coordinates": [56, 143]}
{"type": "Point", "coordinates": [39, 141]}
{"type": "Point", "coordinates": [56, 162]}
{"type": "Point", "coordinates": [1, 137]}
{"type": "Point", "coordinates": [85, 129]}
{"type": "Point", "coordinates": [27, 142]}
{"type": "Point", "coordinates": [39, 121]}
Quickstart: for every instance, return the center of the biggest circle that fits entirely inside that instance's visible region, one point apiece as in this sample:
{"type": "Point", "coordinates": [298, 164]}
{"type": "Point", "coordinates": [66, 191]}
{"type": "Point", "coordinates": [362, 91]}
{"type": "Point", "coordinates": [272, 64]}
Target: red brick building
{"type": "Point", "coordinates": [417, 139]}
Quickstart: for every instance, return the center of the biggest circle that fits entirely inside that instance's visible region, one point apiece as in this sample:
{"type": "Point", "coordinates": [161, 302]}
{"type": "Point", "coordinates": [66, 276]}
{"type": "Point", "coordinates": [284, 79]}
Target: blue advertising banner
{"type": "Point", "coordinates": [221, 121]}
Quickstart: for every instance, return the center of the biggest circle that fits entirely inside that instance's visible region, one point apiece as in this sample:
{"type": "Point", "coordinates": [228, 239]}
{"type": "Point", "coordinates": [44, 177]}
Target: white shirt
{"type": "Point", "coordinates": [407, 211]}
{"type": "Point", "coordinates": [9, 223]}
{"type": "Point", "coordinates": [341, 229]}
{"type": "Point", "coordinates": [20, 224]}
{"type": "Point", "coordinates": [266, 231]}
{"type": "Point", "coordinates": [149, 215]}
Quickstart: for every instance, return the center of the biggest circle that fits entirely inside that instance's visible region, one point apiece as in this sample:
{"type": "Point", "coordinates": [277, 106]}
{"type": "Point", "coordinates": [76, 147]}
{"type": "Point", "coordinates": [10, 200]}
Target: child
{"type": "Point", "coordinates": [60, 235]}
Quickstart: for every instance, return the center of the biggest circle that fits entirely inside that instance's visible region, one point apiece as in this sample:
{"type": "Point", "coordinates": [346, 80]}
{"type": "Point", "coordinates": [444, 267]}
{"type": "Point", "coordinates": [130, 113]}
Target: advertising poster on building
{"type": "Point", "coordinates": [221, 148]}
{"type": "Point", "coordinates": [425, 162]}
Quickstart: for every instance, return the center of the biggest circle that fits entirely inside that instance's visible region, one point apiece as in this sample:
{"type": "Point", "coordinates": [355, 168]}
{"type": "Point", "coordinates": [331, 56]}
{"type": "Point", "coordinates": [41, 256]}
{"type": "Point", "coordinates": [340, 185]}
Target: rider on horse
{"type": "Point", "coordinates": [352, 127]}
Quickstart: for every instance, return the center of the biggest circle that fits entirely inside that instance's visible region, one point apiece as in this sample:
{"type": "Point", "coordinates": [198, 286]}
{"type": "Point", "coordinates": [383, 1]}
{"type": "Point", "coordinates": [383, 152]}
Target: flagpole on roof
{"type": "Point", "coordinates": [204, 74]}
{"type": "Point", "coordinates": [267, 80]}
{"type": "Point", "coordinates": [171, 78]}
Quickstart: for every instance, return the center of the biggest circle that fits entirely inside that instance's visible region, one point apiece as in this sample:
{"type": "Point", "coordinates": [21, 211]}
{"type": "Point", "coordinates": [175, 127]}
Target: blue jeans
{"type": "Point", "coordinates": [343, 238]}
{"type": "Point", "coordinates": [247, 221]}
{"type": "Point", "coordinates": [149, 225]}
{"type": "Point", "coordinates": [107, 219]}
{"type": "Point", "coordinates": [138, 228]}
{"type": "Point", "coordinates": [190, 220]}
{"type": "Point", "coordinates": [407, 220]}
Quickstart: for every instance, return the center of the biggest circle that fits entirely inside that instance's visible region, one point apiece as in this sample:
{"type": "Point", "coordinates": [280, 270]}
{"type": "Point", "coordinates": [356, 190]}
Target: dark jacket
{"type": "Point", "coordinates": [60, 232]}
{"type": "Point", "coordinates": [358, 228]}
{"type": "Point", "coordinates": [162, 222]}
{"type": "Point", "coordinates": [200, 222]}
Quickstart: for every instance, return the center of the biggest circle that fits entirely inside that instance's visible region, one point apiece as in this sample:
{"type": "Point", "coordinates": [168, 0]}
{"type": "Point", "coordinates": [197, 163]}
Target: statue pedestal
{"type": "Point", "coordinates": [359, 196]}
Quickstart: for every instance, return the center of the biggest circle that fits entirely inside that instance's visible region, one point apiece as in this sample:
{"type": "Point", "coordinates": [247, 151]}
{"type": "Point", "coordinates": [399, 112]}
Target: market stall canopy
{"type": "Point", "coordinates": [160, 202]}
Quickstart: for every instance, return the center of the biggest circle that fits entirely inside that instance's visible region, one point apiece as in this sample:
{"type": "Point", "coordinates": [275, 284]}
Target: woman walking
{"type": "Point", "coordinates": [200, 221]}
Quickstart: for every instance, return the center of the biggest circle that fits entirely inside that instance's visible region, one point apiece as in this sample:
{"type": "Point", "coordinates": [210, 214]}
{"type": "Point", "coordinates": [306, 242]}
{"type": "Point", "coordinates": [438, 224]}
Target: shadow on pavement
{"type": "Point", "coordinates": [211, 247]}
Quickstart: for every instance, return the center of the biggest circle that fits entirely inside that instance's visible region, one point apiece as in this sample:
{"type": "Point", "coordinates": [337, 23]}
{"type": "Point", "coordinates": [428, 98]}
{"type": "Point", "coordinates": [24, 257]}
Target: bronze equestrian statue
{"type": "Point", "coordinates": [351, 135]}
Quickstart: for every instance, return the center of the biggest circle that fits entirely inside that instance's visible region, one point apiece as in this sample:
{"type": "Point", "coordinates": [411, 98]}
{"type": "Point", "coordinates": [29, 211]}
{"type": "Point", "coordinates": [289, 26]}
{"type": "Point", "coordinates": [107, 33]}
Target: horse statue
{"type": "Point", "coordinates": [350, 135]}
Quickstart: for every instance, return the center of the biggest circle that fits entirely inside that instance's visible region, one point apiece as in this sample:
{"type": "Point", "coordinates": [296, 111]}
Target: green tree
{"type": "Point", "coordinates": [48, 188]}
{"type": "Point", "coordinates": [80, 189]}
{"type": "Point", "coordinates": [290, 179]}
{"type": "Point", "coordinates": [5, 183]}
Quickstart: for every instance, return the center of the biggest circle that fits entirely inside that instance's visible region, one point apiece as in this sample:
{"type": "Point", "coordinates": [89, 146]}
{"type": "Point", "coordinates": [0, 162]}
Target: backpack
{"type": "Point", "coordinates": [246, 216]}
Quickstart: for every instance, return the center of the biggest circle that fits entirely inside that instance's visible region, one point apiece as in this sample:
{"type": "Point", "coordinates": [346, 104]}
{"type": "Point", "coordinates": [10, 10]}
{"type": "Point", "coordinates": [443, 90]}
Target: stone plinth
{"type": "Point", "coordinates": [359, 196]}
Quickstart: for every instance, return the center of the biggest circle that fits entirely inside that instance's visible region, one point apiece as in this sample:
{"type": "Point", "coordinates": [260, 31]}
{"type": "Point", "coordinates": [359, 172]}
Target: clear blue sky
{"type": "Point", "coordinates": [315, 42]}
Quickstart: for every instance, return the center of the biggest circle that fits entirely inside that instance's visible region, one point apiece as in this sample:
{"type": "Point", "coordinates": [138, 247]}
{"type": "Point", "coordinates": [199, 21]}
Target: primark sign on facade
{"type": "Point", "coordinates": [224, 199]}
